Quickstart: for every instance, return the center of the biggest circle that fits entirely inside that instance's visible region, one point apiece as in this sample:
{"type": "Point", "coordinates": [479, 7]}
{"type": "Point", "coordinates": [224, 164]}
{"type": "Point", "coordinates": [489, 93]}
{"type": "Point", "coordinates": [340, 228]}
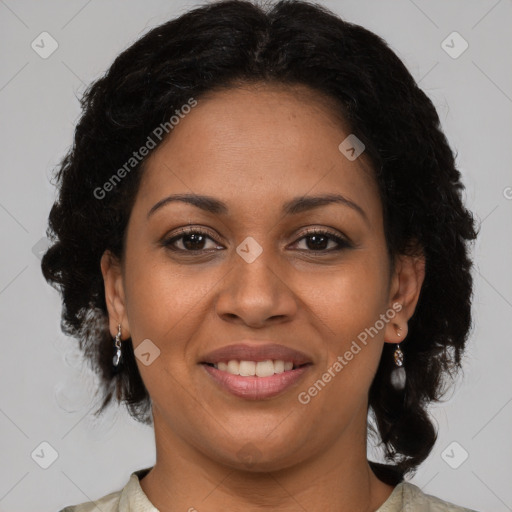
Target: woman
{"type": "Point", "coordinates": [261, 247]}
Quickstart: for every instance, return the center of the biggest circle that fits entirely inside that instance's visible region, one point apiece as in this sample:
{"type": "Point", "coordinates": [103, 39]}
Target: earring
{"type": "Point", "coordinates": [398, 376]}
{"type": "Point", "coordinates": [117, 355]}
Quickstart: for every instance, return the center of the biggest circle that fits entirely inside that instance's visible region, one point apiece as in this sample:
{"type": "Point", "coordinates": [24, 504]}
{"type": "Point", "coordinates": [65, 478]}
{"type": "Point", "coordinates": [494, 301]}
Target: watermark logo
{"type": "Point", "coordinates": [146, 352]}
{"type": "Point", "coordinates": [40, 247]}
{"type": "Point", "coordinates": [44, 45]}
{"type": "Point", "coordinates": [454, 45]}
{"type": "Point", "coordinates": [249, 454]}
{"type": "Point", "coordinates": [351, 147]}
{"type": "Point", "coordinates": [249, 249]}
{"type": "Point", "coordinates": [44, 455]}
{"type": "Point", "coordinates": [454, 455]}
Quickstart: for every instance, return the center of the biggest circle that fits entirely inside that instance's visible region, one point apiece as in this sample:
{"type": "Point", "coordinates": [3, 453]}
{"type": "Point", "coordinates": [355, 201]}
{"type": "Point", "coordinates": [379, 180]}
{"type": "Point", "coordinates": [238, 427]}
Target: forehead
{"type": "Point", "coordinates": [258, 143]}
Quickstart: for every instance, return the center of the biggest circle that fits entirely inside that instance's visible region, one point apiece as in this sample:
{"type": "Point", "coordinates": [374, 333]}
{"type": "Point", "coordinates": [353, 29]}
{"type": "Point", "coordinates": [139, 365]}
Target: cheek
{"type": "Point", "coordinates": [163, 306]}
{"type": "Point", "coordinates": [351, 297]}
{"type": "Point", "coordinates": [350, 303]}
{"type": "Point", "coordinates": [161, 297]}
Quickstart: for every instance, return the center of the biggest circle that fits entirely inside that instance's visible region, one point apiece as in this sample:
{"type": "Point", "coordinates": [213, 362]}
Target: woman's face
{"type": "Point", "coordinates": [252, 275]}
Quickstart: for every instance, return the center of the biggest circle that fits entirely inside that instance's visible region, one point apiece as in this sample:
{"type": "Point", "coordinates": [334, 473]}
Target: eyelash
{"type": "Point", "coordinates": [342, 243]}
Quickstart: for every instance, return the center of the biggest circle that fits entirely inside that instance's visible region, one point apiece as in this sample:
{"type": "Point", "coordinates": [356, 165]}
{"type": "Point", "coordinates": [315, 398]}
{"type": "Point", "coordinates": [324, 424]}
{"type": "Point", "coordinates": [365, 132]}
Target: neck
{"type": "Point", "coordinates": [335, 480]}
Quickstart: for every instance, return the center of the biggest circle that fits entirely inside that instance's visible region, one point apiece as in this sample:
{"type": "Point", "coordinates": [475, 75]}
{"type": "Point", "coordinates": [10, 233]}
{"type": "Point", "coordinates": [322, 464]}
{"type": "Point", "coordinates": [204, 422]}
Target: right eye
{"type": "Point", "coordinates": [191, 240]}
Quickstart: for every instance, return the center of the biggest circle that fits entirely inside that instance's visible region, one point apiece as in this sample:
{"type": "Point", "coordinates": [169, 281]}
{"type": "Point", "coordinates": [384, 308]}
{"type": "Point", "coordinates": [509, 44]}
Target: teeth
{"type": "Point", "coordinates": [247, 368]}
{"type": "Point", "coordinates": [252, 368]}
{"type": "Point", "coordinates": [278, 366]}
{"type": "Point", "coordinates": [265, 368]}
{"type": "Point", "coordinates": [233, 367]}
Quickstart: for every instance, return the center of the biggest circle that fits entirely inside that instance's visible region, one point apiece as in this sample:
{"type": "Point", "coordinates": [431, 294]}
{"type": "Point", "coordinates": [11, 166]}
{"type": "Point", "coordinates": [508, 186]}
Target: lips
{"type": "Point", "coordinates": [256, 371]}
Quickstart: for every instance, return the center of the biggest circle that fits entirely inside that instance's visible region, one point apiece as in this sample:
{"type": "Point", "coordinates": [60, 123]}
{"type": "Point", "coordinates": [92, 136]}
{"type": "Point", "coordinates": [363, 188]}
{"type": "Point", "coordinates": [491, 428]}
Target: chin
{"type": "Point", "coordinates": [258, 456]}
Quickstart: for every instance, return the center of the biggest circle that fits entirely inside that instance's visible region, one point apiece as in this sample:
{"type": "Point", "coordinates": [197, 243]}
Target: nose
{"type": "Point", "coordinates": [257, 293]}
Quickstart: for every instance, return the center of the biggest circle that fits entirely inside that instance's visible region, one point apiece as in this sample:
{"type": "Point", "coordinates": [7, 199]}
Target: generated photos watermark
{"type": "Point", "coordinates": [137, 156]}
{"type": "Point", "coordinates": [304, 397]}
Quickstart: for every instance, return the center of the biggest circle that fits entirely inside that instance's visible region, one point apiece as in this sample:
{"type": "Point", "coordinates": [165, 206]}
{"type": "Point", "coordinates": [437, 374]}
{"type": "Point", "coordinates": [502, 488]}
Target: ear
{"type": "Point", "coordinates": [406, 283]}
{"type": "Point", "coordinates": [114, 294]}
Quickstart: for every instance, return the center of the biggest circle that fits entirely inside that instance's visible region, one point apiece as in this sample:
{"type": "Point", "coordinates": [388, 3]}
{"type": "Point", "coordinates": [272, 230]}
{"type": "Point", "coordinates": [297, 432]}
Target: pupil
{"type": "Point", "coordinates": [193, 241]}
{"type": "Point", "coordinates": [318, 242]}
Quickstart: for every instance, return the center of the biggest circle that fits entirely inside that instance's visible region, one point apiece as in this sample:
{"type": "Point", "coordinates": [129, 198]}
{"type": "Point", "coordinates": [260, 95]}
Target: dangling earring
{"type": "Point", "coordinates": [398, 373]}
{"type": "Point", "coordinates": [117, 355]}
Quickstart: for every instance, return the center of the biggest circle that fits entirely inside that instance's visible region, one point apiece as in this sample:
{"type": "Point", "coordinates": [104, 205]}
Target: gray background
{"type": "Point", "coordinates": [45, 390]}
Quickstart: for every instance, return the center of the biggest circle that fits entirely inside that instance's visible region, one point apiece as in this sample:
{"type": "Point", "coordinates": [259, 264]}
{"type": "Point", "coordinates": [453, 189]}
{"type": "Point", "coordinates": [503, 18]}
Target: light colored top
{"type": "Point", "coordinates": [406, 497]}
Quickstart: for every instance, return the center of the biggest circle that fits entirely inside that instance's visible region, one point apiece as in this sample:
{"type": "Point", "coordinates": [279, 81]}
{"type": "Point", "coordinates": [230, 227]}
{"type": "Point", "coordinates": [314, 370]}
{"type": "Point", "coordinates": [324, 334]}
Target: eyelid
{"type": "Point", "coordinates": [193, 230]}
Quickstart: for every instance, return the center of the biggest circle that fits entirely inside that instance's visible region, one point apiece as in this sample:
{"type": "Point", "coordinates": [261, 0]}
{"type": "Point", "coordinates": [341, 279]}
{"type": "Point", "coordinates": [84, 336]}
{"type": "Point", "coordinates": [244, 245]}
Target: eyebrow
{"type": "Point", "coordinates": [292, 207]}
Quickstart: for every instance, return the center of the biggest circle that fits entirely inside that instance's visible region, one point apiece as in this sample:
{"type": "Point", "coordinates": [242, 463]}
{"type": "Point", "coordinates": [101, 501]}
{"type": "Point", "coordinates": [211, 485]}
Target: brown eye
{"type": "Point", "coordinates": [190, 241]}
{"type": "Point", "coordinates": [317, 242]}
{"type": "Point", "coordinates": [193, 241]}
{"type": "Point", "coordinates": [320, 240]}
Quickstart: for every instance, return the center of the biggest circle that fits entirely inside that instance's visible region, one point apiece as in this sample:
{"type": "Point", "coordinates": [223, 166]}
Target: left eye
{"type": "Point", "coordinates": [319, 241]}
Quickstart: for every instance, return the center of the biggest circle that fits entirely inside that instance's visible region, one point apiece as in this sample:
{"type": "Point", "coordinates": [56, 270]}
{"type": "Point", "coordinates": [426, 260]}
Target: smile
{"type": "Point", "coordinates": [253, 380]}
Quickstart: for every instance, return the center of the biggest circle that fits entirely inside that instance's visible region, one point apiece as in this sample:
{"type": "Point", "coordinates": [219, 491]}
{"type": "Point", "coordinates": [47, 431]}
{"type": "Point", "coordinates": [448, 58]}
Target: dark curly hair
{"type": "Point", "coordinates": [227, 43]}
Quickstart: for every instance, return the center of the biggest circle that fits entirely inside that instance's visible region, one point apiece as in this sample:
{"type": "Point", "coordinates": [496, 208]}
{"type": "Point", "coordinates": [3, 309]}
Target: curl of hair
{"type": "Point", "coordinates": [220, 45]}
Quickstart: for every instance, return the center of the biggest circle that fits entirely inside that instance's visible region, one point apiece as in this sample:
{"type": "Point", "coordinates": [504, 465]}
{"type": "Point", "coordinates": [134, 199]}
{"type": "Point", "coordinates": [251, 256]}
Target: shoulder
{"type": "Point", "coordinates": [109, 503]}
{"type": "Point", "coordinates": [415, 500]}
{"type": "Point", "coordinates": [130, 497]}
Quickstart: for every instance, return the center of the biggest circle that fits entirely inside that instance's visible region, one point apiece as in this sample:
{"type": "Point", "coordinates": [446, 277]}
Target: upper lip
{"type": "Point", "coordinates": [251, 351]}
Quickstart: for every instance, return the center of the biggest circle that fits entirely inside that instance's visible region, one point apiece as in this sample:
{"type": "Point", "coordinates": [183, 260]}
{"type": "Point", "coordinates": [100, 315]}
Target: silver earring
{"type": "Point", "coordinates": [398, 376]}
{"type": "Point", "coordinates": [117, 355]}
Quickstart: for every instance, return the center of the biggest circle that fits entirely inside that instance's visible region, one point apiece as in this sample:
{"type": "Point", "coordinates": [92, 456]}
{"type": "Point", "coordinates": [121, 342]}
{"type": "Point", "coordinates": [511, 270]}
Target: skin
{"type": "Point", "coordinates": [256, 147]}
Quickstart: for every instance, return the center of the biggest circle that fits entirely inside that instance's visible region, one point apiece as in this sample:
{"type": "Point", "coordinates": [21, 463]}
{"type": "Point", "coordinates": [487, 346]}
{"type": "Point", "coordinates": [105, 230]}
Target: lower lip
{"type": "Point", "coordinates": [256, 388]}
